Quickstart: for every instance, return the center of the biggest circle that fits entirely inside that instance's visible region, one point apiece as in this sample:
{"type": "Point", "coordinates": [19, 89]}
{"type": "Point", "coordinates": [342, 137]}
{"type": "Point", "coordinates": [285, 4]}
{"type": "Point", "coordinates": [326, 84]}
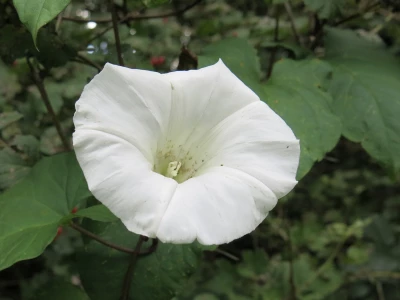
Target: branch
{"type": "Point", "coordinates": [289, 11]}
{"type": "Point", "coordinates": [129, 273]}
{"type": "Point", "coordinates": [38, 80]}
{"type": "Point", "coordinates": [116, 33]}
{"type": "Point", "coordinates": [356, 15]}
{"type": "Point", "coordinates": [133, 16]}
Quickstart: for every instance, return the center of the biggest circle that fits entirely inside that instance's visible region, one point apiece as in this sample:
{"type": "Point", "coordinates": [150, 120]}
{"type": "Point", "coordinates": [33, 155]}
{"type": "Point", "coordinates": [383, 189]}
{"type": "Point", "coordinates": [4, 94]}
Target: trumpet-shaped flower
{"type": "Point", "coordinates": [185, 155]}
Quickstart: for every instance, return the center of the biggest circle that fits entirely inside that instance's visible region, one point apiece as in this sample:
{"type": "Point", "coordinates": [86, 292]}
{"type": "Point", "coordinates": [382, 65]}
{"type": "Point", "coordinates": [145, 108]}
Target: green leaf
{"type": "Point", "coordinates": [296, 92]}
{"type": "Point", "coordinates": [326, 8]}
{"type": "Point", "coordinates": [31, 211]}
{"type": "Point", "coordinates": [60, 290]}
{"type": "Point", "coordinates": [96, 212]}
{"type": "Point", "coordinates": [36, 13]}
{"type": "Point", "coordinates": [159, 275]}
{"type": "Point", "coordinates": [366, 92]}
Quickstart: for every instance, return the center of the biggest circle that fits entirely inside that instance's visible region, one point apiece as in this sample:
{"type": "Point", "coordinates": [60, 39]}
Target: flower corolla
{"type": "Point", "coordinates": [185, 155]}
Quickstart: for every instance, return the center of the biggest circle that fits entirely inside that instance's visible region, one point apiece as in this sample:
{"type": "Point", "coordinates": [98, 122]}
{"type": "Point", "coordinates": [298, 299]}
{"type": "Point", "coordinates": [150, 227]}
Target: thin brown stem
{"type": "Point", "coordinates": [89, 62]}
{"type": "Point", "coordinates": [289, 11]}
{"type": "Point", "coordinates": [38, 80]}
{"type": "Point", "coordinates": [356, 15]}
{"type": "Point", "coordinates": [116, 33]}
{"type": "Point", "coordinates": [129, 273]}
{"type": "Point", "coordinates": [95, 237]}
{"type": "Point", "coordinates": [275, 49]}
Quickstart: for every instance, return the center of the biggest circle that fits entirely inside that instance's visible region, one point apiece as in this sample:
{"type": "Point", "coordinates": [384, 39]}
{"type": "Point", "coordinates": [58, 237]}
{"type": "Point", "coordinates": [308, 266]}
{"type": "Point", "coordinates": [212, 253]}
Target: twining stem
{"type": "Point", "coordinates": [116, 33]}
{"type": "Point", "coordinates": [129, 273]}
{"type": "Point", "coordinates": [289, 11]}
{"type": "Point", "coordinates": [37, 79]}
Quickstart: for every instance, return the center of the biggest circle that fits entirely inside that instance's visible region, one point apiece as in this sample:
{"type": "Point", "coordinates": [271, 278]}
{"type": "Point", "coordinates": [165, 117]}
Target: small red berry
{"type": "Point", "coordinates": [157, 61]}
{"type": "Point", "coordinates": [74, 210]}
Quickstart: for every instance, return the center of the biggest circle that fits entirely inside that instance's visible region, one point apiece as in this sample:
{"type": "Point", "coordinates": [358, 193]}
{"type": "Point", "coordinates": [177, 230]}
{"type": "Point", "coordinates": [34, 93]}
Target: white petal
{"type": "Point", "coordinates": [256, 141]}
{"type": "Point", "coordinates": [216, 208]}
{"type": "Point", "coordinates": [203, 98]}
{"type": "Point", "coordinates": [131, 104]}
{"type": "Point", "coordinates": [121, 178]}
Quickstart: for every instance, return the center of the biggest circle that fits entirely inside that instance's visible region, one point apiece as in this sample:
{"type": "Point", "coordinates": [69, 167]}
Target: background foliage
{"type": "Point", "coordinates": [330, 69]}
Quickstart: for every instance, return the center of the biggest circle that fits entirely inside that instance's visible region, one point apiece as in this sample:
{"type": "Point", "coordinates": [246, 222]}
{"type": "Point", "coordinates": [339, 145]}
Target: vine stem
{"type": "Point", "coordinates": [116, 33]}
{"type": "Point", "coordinates": [129, 273]}
{"type": "Point", "coordinates": [38, 80]}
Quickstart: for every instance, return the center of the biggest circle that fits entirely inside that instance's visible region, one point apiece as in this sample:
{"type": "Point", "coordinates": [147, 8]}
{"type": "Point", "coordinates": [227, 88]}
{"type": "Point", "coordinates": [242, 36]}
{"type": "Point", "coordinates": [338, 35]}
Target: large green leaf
{"type": "Point", "coordinates": [159, 275]}
{"type": "Point", "coordinates": [37, 13]}
{"type": "Point", "coordinates": [31, 210]}
{"type": "Point", "coordinates": [366, 92]}
{"type": "Point", "coordinates": [295, 91]}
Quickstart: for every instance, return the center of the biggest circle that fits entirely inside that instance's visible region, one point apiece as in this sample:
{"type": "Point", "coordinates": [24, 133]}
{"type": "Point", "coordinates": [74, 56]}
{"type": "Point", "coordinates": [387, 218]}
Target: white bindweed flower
{"type": "Point", "coordinates": [185, 155]}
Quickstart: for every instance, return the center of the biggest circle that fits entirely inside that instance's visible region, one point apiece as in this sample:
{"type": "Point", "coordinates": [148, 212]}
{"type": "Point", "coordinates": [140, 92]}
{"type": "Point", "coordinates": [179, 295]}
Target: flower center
{"type": "Point", "coordinates": [173, 169]}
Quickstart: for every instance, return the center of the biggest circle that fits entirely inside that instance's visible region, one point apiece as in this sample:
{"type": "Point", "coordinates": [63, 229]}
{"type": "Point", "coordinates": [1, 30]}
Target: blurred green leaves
{"type": "Point", "coordinates": [36, 13]}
